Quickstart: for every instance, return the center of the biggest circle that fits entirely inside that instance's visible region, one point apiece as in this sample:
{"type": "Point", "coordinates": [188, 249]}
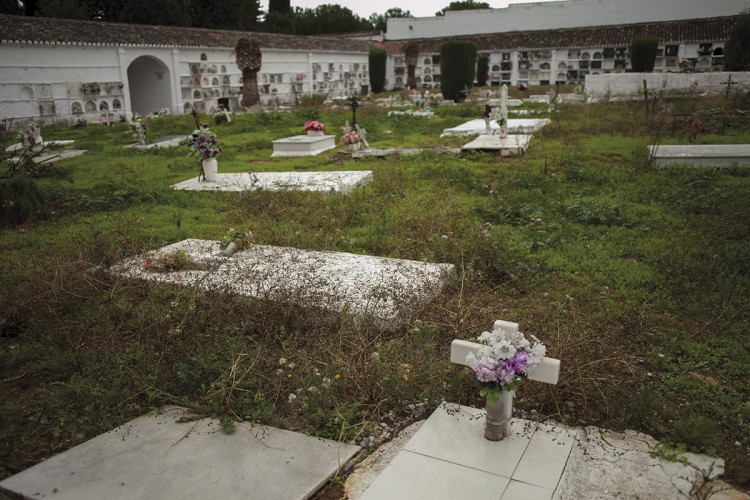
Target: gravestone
{"type": "Point", "coordinates": [478, 126]}
{"type": "Point", "coordinates": [168, 141]}
{"type": "Point", "coordinates": [547, 371]}
{"type": "Point", "coordinates": [303, 145]}
{"type": "Point", "coordinates": [326, 182]}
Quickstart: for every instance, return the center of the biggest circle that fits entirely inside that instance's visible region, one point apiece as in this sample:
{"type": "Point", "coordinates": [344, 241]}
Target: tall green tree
{"type": "Point", "coordinates": [380, 21]}
{"type": "Point", "coordinates": [458, 62]}
{"type": "Point", "coordinates": [10, 7]}
{"type": "Point", "coordinates": [163, 13]}
{"type": "Point", "coordinates": [228, 14]}
{"type": "Point", "coordinates": [64, 9]}
{"type": "Point", "coordinates": [463, 5]}
{"type": "Point", "coordinates": [737, 48]}
{"type": "Point", "coordinates": [376, 61]}
{"type": "Point", "coordinates": [327, 19]}
{"type": "Point", "coordinates": [483, 69]}
{"type": "Point", "coordinates": [643, 53]}
{"type": "Point", "coordinates": [279, 6]}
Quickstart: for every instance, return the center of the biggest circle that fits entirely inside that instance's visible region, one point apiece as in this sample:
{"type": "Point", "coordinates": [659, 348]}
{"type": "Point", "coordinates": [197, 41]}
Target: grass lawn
{"type": "Point", "coordinates": [637, 279]}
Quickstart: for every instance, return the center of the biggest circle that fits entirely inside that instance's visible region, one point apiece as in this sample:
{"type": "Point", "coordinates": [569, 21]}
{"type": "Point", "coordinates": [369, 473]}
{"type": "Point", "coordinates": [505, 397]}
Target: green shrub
{"type": "Point", "coordinates": [457, 67]}
{"type": "Point", "coordinates": [737, 49]}
{"type": "Point", "coordinates": [483, 69]}
{"type": "Point", "coordinates": [19, 199]}
{"type": "Point", "coordinates": [643, 53]}
{"type": "Point", "coordinates": [377, 60]}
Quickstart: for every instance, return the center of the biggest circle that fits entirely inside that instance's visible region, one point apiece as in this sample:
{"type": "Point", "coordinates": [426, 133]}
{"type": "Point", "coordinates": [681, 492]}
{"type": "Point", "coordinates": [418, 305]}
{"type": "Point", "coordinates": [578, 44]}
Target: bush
{"type": "Point", "coordinates": [19, 199]}
{"type": "Point", "coordinates": [737, 49]}
{"type": "Point", "coordinates": [483, 69]}
{"type": "Point", "coordinates": [643, 54]}
{"type": "Point", "coordinates": [377, 60]}
{"type": "Point", "coordinates": [457, 67]}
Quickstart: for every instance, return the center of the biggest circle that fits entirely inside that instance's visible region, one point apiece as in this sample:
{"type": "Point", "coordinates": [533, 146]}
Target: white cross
{"type": "Point", "coordinates": [548, 369]}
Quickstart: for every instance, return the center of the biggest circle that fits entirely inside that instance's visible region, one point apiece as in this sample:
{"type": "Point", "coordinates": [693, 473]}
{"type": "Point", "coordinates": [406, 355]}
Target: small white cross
{"type": "Point", "coordinates": [548, 369]}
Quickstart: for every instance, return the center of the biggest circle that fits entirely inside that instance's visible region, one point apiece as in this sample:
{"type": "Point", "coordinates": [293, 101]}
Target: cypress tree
{"type": "Point", "coordinates": [376, 60]}
{"type": "Point", "coordinates": [483, 69]}
{"type": "Point", "coordinates": [458, 63]}
{"type": "Point", "coordinates": [643, 54]}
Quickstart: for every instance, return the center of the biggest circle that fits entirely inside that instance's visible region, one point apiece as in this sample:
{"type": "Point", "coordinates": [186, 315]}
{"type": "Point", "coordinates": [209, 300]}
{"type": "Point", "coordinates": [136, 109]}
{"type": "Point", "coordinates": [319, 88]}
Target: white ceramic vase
{"type": "Point", "coordinates": [210, 169]}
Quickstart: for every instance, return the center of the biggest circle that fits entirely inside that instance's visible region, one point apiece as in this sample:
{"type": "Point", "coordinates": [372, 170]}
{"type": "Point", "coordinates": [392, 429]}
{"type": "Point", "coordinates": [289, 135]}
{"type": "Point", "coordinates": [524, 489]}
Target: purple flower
{"type": "Point", "coordinates": [522, 362]}
{"type": "Point", "coordinates": [202, 138]}
{"type": "Point", "coordinates": [205, 125]}
{"type": "Point", "coordinates": [207, 153]}
{"type": "Point", "coordinates": [213, 139]}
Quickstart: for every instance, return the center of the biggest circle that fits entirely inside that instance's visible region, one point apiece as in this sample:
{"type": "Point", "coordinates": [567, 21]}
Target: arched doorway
{"type": "Point", "coordinates": [148, 79]}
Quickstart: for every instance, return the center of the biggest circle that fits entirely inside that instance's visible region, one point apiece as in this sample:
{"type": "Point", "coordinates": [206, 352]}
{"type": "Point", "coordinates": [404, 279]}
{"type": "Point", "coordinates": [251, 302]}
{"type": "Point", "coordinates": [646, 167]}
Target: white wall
{"type": "Point", "coordinates": [558, 15]}
{"type": "Point", "coordinates": [630, 85]}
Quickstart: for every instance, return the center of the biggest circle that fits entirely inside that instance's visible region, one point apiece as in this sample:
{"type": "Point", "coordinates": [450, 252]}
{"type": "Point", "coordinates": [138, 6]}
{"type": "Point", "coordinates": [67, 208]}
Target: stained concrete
{"type": "Point", "coordinates": [340, 182]}
{"type": "Point", "coordinates": [478, 126]}
{"type": "Point", "coordinates": [512, 145]}
{"type": "Point", "coordinates": [155, 458]}
{"type": "Point", "coordinates": [363, 285]}
{"type": "Point", "coordinates": [711, 155]}
{"type": "Point", "coordinates": [303, 145]}
{"type": "Point", "coordinates": [168, 141]}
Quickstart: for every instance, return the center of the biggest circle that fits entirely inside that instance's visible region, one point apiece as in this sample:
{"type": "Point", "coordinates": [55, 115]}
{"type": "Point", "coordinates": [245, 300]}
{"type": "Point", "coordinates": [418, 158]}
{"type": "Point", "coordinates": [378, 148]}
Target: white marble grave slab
{"type": "Point", "coordinates": [55, 156]}
{"type": "Point", "coordinates": [410, 112]}
{"type": "Point", "coordinates": [168, 141]}
{"type": "Point", "coordinates": [515, 126]}
{"type": "Point", "coordinates": [361, 284]}
{"type": "Point", "coordinates": [715, 155]}
{"type": "Point", "coordinates": [340, 182]}
{"type": "Point", "coordinates": [157, 458]}
{"type": "Point", "coordinates": [303, 145]}
{"type": "Point", "coordinates": [45, 144]}
{"type": "Point", "coordinates": [512, 145]}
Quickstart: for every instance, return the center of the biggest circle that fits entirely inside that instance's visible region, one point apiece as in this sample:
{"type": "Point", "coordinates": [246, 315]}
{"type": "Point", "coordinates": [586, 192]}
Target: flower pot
{"type": "Point", "coordinates": [210, 169]}
{"type": "Point", "coordinates": [315, 133]}
{"type": "Point", "coordinates": [354, 147]}
{"type": "Point", "coordinates": [497, 425]}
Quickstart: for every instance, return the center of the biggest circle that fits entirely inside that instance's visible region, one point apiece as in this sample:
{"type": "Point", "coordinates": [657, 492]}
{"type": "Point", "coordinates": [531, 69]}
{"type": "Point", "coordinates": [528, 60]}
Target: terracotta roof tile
{"type": "Point", "coordinates": [21, 29]}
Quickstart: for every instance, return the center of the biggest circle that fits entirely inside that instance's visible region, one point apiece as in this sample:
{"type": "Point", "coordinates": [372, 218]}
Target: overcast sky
{"type": "Point", "coordinates": [418, 8]}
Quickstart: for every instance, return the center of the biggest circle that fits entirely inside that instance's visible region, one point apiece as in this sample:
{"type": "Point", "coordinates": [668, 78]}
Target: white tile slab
{"type": "Point", "coordinates": [55, 156]}
{"type": "Point", "coordinates": [515, 126]}
{"type": "Point", "coordinates": [517, 490]}
{"type": "Point", "coordinates": [364, 285]}
{"type": "Point", "coordinates": [411, 476]}
{"type": "Point", "coordinates": [339, 182]}
{"type": "Point", "coordinates": [455, 434]}
{"type": "Point", "coordinates": [155, 458]}
{"type": "Point", "coordinates": [303, 145]}
{"type": "Point", "coordinates": [544, 460]}
{"type": "Point", "coordinates": [168, 141]}
{"type": "Point", "coordinates": [715, 155]}
{"type": "Point", "coordinates": [45, 144]}
{"type": "Point", "coordinates": [512, 145]}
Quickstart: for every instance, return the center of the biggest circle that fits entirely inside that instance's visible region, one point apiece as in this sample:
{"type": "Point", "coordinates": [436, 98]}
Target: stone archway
{"type": "Point", "coordinates": [150, 90]}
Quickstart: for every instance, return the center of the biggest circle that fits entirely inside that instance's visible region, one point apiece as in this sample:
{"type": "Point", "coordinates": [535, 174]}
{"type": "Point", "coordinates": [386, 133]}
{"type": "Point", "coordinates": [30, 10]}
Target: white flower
{"type": "Point", "coordinates": [538, 351]}
{"type": "Point", "coordinates": [504, 349]}
{"type": "Point", "coordinates": [291, 365]}
{"type": "Point", "coordinates": [292, 397]}
{"type": "Point", "coordinates": [282, 361]}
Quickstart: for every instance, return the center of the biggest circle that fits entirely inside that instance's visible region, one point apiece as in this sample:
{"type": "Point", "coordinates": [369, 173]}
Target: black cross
{"type": "Point", "coordinates": [195, 117]}
{"type": "Point", "coordinates": [354, 104]}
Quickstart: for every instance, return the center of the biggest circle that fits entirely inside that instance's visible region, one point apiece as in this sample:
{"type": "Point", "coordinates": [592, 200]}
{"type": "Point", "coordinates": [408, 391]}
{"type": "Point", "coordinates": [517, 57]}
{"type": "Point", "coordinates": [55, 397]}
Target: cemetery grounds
{"type": "Point", "coordinates": [636, 278]}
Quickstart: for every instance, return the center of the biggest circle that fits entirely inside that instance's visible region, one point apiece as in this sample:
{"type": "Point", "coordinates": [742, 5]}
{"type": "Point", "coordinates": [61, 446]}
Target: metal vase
{"type": "Point", "coordinates": [497, 425]}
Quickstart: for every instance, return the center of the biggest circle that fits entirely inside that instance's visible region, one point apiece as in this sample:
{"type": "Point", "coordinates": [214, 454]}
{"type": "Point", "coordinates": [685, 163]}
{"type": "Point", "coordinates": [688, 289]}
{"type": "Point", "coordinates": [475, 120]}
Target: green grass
{"type": "Point", "coordinates": [637, 279]}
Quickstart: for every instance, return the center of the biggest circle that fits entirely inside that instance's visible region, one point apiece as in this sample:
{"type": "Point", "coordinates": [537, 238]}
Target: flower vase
{"type": "Point", "coordinates": [353, 147]}
{"type": "Point", "coordinates": [315, 133]}
{"type": "Point", "coordinates": [210, 169]}
{"type": "Point", "coordinates": [497, 425]}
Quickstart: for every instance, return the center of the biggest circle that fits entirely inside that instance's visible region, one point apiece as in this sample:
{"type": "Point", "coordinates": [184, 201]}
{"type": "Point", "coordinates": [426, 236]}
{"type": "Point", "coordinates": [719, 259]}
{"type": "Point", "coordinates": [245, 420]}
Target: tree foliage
{"type": "Point", "coordinates": [376, 62]}
{"type": "Point", "coordinates": [463, 5]}
{"type": "Point", "coordinates": [327, 19]}
{"type": "Point", "coordinates": [380, 21]}
{"type": "Point", "coordinates": [64, 9]}
{"type": "Point", "coordinates": [163, 13]}
{"type": "Point", "coordinates": [10, 7]}
{"type": "Point", "coordinates": [483, 69]}
{"type": "Point", "coordinates": [643, 53]}
{"type": "Point", "coordinates": [458, 62]}
{"type": "Point", "coordinates": [737, 48]}
{"type": "Point", "coordinates": [229, 14]}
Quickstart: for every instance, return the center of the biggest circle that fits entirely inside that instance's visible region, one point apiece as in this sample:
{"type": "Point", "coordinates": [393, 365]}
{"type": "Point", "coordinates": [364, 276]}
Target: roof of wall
{"type": "Point", "coordinates": [41, 30]}
{"type": "Point", "coordinates": [691, 31]}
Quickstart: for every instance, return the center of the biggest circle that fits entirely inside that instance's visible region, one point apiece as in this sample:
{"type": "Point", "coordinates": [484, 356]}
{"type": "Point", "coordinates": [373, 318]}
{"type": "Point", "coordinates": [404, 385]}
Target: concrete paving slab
{"type": "Point", "coordinates": [168, 141]}
{"type": "Point", "coordinates": [155, 458]}
{"type": "Point", "coordinates": [54, 156]}
{"type": "Point", "coordinates": [402, 151]}
{"type": "Point", "coordinates": [515, 126]}
{"type": "Point", "coordinates": [511, 145]}
{"type": "Point", "coordinates": [712, 155]}
{"type": "Point", "coordinates": [303, 145]}
{"type": "Point", "coordinates": [537, 460]}
{"type": "Point", "coordinates": [367, 286]}
{"type": "Point", "coordinates": [340, 182]}
{"type": "Point", "coordinates": [45, 144]}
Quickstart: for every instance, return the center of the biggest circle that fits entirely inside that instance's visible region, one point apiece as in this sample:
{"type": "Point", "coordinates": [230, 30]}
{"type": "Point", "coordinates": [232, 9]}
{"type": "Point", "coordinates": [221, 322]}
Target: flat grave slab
{"type": "Point", "coordinates": [54, 156]}
{"type": "Point", "coordinates": [168, 141]}
{"type": "Point", "coordinates": [339, 182]}
{"type": "Point", "coordinates": [156, 458]}
{"type": "Point", "coordinates": [714, 155]}
{"type": "Point", "coordinates": [420, 114]}
{"type": "Point", "coordinates": [512, 145]}
{"type": "Point", "coordinates": [515, 126]}
{"type": "Point", "coordinates": [303, 145]}
{"type": "Point", "coordinates": [401, 151]}
{"type": "Point", "coordinates": [364, 285]}
{"type": "Point", "coordinates": [448, 458]}
{"type": "Point", "coordinates": [45, 144]}
{"type": "Point", "coordinates": [512, 103]}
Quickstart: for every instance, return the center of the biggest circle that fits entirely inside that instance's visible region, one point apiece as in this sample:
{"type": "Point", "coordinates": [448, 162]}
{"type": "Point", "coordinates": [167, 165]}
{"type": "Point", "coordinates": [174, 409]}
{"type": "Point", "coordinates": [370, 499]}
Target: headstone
{"type": "Point", "coordinates": [503, 120]}
{"type": "Point", "coordinates": [323, 182]}
{"type": "Point", "coordinates": [303, 145]}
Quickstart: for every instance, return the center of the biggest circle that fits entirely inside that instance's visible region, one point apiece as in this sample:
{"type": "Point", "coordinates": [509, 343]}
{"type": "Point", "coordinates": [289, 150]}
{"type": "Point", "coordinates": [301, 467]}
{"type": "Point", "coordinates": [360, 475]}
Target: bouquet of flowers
{"type": "Point", "coordinates": [350, 137]}
{"type": "Point", "coordinates": [28, 139]}
{"type": "Point", "coordinates": [315, 126]}
{"type": "Point", "coordinates": [504, 361]}
{"type": "Point", "coordinates": [204, 144]}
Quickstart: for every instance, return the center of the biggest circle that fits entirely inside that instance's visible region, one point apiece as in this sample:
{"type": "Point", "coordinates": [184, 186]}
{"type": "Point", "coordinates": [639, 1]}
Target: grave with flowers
{"type": "Point", "coordinates": [314, 142]}
{"type": "Point", "coordinates": [139, 127]}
